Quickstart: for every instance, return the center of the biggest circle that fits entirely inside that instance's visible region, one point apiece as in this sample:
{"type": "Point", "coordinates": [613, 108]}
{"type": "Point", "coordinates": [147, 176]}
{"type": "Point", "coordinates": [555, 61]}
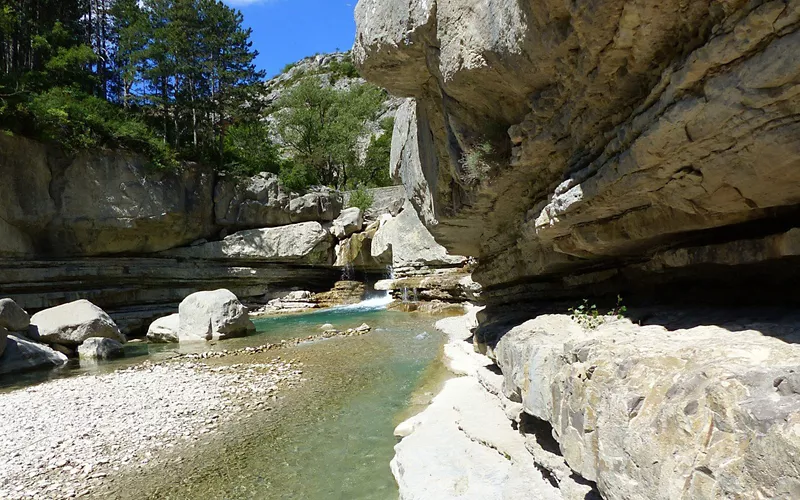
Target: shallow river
{"type": "Point", "coordinates": [331, 437]}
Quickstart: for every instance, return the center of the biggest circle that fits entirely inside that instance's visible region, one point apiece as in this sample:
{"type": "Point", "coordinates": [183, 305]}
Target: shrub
{"type": "Point", "coordinates": [297, 176]}
{"type": "Point", "coordinates": [476, 162]}
{"type": "Point", "coordinates": [589, 317]}
{"type": "Point", "coordinates": [79, 121]}
{"type": "Point", "coordinates": [361, 198]}
{"type": "Point", "coordinates": [342, 69]}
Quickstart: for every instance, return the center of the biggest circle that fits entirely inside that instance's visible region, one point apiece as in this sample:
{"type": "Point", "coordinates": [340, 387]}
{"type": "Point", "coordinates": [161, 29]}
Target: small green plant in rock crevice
{"type": "Point", "coordinates": [476, 162]}
{"type": "Point", "coordinates": [589, 317]}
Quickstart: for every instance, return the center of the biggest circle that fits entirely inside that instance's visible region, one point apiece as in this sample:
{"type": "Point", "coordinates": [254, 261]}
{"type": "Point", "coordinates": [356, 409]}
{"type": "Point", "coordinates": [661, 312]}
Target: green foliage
{"type": "Point", "coordinates": [476, 162]}
{"type": "Point", "coordinates": [374, 172]}
{"type": "Point", "coordinates": [361, 198]}
{"type": "Point", "coordinates": [321, 126]}
{"type": "Point", "coordinates": [297, 177]}
{"type": "Point", "coordinates": [589, 317]}
{"type": "Point", "coordinates": [179, 69]}
{"type": "Point", "coordinates": [79, 121]}
{"type": "Point", "coordinates": [249, 150]}
{"type": "Point", "coordinates": [343, 68]}
{"type": "Point", "coordinates": [288, 67]}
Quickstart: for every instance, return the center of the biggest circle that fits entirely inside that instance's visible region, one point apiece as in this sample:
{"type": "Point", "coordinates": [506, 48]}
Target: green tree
{"type": "Point", "coordinates": [374, 172]}
{"type": "Point", "coordinates": [249, 150]}
{"type": "Point", "coordinates": [321, 126]}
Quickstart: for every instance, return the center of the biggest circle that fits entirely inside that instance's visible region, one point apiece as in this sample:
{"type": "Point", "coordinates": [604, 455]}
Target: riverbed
{"type": "Point", "coordinates": [327, 436]}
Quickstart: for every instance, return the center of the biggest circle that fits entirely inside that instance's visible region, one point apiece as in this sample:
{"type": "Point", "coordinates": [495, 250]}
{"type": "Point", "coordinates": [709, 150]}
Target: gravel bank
{"type": "Point", "coordinates": [61, 438]}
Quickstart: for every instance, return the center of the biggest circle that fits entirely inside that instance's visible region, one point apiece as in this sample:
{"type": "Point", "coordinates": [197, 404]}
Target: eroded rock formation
{"type": "Point", "coordinates": [567, 144]}
{"type": "Point", "coordinates": [589, 149]}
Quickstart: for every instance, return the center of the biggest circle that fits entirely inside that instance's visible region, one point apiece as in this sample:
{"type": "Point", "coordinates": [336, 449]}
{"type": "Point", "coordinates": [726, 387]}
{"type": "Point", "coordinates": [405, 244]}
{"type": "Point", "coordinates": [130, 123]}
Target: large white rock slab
{"type": "Point", "coordinates": [648, 413]}
{"type": "Point", "coordinates": [70, 324]}
{"type": "Point", "coordinates": [466, 444]}
{"type": "Point", "coordinates": [212, 315]}
{"type": "Point", "coordinates": [404, 241]}
{"type": "Point", "coordinates": [304, 243]}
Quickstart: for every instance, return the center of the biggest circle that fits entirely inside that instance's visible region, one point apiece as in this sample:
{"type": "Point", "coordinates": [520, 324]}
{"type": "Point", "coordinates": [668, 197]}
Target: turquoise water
{"type": "Point", "coordinates": [329, 438]}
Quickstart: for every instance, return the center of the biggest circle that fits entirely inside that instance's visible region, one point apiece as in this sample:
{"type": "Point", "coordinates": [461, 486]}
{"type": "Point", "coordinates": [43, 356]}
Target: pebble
{"type": "Point", "coordinates": [68, 435]}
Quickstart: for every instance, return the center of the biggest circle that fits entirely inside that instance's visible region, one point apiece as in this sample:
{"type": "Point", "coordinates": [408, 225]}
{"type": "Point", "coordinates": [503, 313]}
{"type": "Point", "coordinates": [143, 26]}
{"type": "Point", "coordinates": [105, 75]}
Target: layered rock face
{"type": "Point", "coordinates": [98, 203]}
{"type": "Point", "coordinates": [260, 201]}
{"type": "Point", "coordinates": [662, 413]}
{"type": "Point", "coordinates": [576, 148]}
{"type": "Point", "coordinates": [643, 148]}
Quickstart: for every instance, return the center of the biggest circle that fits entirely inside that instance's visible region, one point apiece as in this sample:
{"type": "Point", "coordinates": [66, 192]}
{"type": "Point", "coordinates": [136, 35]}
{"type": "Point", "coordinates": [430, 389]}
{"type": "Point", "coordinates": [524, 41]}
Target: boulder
{"type": "Point", "coordinates": [164, 330]}
{"type": "Point", "coordinates": [356, 251]}
{"type": "Point", "coordinates": [260, 201]}
{"type": "Point", "coordinates": [349, 221]}
{"type": "Point", "coordinates": [647, 412]}
{"type": "Point", "coordinates": [3, 339]}
{"type": "Point", "coordinates": [22, 355]}
{"type": "Point", "coordinates": [66, 351]}
{"type": "Point", "coordinates": [13, 317]}
{"type": "Point", "coordinates": [304, 243]}
{"type": "Point", "coordinates": [71, 324]}
{"type": "Point", "coordinates": [213, 315]}
{"type": "Point", "coordinates": [99, 348]}
{"type": "Point", "coordinates": [404, 241]}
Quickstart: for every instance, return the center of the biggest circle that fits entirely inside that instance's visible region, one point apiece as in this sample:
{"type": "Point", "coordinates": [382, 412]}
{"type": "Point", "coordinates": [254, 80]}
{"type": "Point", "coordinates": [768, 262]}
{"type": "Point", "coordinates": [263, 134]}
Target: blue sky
{"type": "Point", "coordinates": [285, 31]}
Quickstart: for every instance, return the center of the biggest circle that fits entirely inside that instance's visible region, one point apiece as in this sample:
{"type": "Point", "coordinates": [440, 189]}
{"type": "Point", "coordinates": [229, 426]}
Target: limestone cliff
{"type": "Point", "coordinates": [585, 149]}
{"type": "Point", "coordinates": [582, 148]}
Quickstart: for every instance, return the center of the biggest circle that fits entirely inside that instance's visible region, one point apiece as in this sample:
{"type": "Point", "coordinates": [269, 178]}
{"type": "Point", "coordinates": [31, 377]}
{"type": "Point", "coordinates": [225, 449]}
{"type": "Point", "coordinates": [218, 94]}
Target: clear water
{"type": "Point", "coordinates": [330, 438]}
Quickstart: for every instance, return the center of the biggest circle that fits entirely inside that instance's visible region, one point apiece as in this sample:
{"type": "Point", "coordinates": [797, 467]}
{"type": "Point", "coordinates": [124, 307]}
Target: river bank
{"type": "Point", "coordinates": [323, 432]}
{"type": "Point", "coordinates": [473, 442]}
{"type": "Point", "coordinates": [70, 434]}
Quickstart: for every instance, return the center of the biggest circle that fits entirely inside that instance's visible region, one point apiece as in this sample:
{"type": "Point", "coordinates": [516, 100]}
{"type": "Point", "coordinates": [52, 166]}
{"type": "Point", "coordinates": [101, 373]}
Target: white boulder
{"type": "Point", "coordinates": [71, 324]}
{"type": "Point", "coordinates": [213, 315]}
{"type": "Point", "coordinates": [164, 330]}
{"type": "Point", "coordinates": [350, 221]}
{"type": "Point", "coordinates": [100, 348]}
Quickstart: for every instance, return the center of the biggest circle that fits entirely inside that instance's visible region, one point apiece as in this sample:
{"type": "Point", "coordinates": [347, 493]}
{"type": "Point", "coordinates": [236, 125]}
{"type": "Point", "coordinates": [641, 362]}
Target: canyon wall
{"type": "Point", "coordinates": [585, 148]}
{"type": "Point", "coordinates": [107, 227]}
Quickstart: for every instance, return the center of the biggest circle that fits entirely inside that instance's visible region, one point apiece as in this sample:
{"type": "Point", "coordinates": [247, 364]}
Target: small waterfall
{"type": "Point", "coordinates": [389, 272]}
{"type": "Point", "coordinates": [416, 296]}
{"type": "Point", "coordinates": [405, 294]}
{"type": "Point", "coordinates": [348, 272]}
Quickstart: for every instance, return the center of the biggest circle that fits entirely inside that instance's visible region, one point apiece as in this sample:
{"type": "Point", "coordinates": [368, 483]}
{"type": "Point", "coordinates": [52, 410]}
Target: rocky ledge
{"type": "Point", "coordinates": [582, 149]}
{"type": "Point", "coordinates": [661, 411]}
{"type": "Point", "coordinates": [473, 442]}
